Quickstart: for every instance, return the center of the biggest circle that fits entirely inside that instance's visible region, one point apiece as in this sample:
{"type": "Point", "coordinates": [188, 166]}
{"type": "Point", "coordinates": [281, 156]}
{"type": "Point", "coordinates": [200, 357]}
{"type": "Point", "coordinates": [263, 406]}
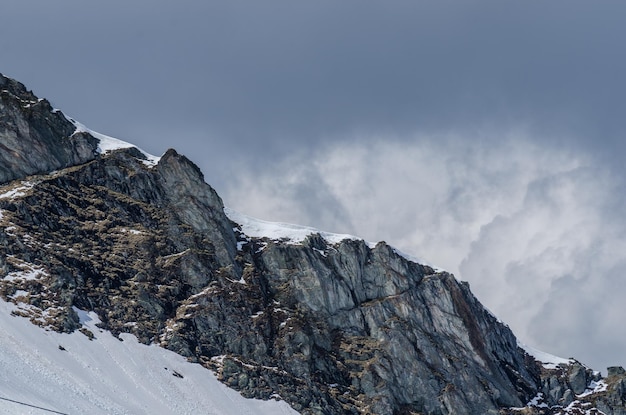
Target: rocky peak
{"type": "Point", "coordinates": [36, 138]}
{"type": "Point", "coordinates": [16, 89]}
{"type": "Point", "coordinates": [330, 323]}
{"type": "Point", "coordinates": [196, 203]}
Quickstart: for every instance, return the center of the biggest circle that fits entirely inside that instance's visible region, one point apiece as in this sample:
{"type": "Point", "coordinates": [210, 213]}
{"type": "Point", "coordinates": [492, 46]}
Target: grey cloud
{"type": "Point", "coordinates": [289, 192]}
{"type": "Point", "coordinates": [550, 268]}
{"type": "Point", "coordinates": [583, 317]}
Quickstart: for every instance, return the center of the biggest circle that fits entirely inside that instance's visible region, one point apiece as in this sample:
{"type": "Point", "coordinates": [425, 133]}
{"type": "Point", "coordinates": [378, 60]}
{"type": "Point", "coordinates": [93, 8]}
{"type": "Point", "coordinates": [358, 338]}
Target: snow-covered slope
{"type": "Point", "coordinates": [70, 374]}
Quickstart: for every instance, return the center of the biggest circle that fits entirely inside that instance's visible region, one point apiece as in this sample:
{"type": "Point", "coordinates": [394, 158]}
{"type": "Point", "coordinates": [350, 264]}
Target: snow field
{"type": "Point", "coordinates": [70, 374]}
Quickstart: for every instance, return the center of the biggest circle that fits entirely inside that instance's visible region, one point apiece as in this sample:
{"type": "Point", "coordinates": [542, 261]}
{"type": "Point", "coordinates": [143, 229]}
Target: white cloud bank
{"type": "Point", "coordinates": [533, 228]}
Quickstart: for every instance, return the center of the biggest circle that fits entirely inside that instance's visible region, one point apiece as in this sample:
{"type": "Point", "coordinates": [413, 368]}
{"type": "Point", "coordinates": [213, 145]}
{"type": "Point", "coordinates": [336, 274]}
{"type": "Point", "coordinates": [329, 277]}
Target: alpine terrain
{"type": "Point", "coordinates": [145, 290]}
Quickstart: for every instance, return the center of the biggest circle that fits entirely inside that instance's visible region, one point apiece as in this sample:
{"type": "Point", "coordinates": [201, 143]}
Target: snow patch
{"type": "Point", "coordinates": [19, 191]}
{"type": "Point", "coordinates": [549, 361]}
{"type": "Point", "coordinates": [241, 244]}
{"type": "Point", "coordinates": [19, 294]}
{"type": "Point", "coordinates": [594, 387]}
{"type": "Point", "coordinates": [28, 272]}
{"type": "Point", "coordinates": [131, 231]}
{"type": "Point", "coordinates": [537, 401]}
{"type": "Point", "coordinates": [296, 234]}
{"type": "Point", "coordinates": [577, 408]}
{"type": "Point", "coordinates": [85, 317]}
{"type": "Point", "coordinates": [262, 246]}
{"type": "Point", "coordinates": [108, 143]}
{"type": "Point", "coordinates": [241, 281]}
{"type": "Point", "coordinates": [289, 233]}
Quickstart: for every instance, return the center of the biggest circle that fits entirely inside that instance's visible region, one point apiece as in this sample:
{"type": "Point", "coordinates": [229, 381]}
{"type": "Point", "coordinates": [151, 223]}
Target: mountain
{"type": "Point", "coordinates": [330, 324]}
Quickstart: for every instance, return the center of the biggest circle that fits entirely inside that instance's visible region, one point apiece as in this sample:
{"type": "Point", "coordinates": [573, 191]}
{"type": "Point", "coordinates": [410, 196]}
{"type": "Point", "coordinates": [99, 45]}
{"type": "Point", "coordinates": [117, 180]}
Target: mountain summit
{"type": "Point", "coordinates": [328, 323]}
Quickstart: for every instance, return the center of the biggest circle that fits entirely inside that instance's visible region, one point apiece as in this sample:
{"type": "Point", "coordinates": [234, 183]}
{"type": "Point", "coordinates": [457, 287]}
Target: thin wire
{"type": "Point", "coordinates": [33, 406]}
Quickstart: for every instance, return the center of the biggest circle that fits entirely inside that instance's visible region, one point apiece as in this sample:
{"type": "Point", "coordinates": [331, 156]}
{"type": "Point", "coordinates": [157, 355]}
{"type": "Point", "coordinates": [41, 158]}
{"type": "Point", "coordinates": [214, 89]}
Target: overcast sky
{"type": "Point", "coordinates": [487, 137]}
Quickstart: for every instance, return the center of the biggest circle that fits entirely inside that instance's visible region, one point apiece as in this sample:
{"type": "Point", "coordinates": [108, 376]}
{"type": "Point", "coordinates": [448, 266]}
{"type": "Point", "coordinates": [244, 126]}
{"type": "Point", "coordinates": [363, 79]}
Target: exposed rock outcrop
{"type": "Point", "coordinates": [331, 327]}
{"type": "Point", "coordinates": [574, 389]}
{"type": "Point", "coordinates": [36, 138]}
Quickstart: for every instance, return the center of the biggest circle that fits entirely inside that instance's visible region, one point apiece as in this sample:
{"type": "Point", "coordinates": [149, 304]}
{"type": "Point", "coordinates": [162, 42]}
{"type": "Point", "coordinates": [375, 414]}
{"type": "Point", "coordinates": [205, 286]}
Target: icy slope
{"type": "Point", "coordinates": [70, 374]}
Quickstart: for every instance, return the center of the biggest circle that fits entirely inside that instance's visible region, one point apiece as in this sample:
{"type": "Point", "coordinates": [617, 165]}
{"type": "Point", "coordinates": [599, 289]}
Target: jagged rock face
{"type": "Point", "coordinates": [331, 328]}
{"type": "Point", "coordinates": [407, 336]}
{"type": "Point", "coordinates": [613, 400]}
{"type": "Point", "coordinates": [34, 138]}
{"type": "Point", "coordinates": [373, 332]}
{"type": "Point", "coordinates": [105, 236]}
{"type": "Point", "coordinates": [574, 389]}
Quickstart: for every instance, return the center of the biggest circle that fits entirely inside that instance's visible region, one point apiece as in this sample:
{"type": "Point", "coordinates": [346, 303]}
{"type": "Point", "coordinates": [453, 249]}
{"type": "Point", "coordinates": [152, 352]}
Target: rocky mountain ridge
{"type": "Point", "coordinates": [330, 326]}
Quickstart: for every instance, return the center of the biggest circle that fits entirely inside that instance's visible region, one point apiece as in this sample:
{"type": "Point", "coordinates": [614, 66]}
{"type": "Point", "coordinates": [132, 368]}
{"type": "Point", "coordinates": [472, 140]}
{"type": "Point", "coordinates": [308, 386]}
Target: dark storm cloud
{"type": "Point", "coordinates": [487, 136]}
{"type": "Point", "coordinates": [242, 75]}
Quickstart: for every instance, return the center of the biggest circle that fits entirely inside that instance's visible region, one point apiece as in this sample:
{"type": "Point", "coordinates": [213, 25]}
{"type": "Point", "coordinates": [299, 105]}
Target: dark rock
{"type": "Point", "coordinates": [34, 138]}
{"type": "Point", "coordinates": [578, 378]}
{"type": "Point", "coordinates": [568, 398]}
